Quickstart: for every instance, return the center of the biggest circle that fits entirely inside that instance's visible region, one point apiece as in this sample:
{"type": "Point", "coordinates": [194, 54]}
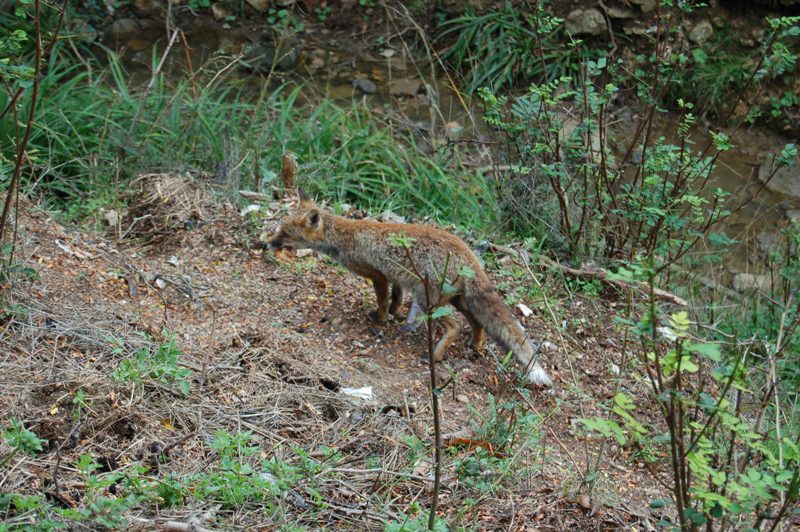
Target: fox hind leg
{"type": "Point", "coordinates": [478, 334]}
{"type": "Point", "coordinates": [451, 329]}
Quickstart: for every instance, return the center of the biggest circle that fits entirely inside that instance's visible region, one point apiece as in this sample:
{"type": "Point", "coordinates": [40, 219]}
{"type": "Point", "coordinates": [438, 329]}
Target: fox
{"type": "Point", "coordinates": [365, 248]}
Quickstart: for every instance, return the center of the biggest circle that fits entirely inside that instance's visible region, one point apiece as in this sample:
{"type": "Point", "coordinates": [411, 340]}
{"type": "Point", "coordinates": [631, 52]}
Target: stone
{"type": "Point", "coordinates": [391, 218]}
{"type": "Point", "coordinates": [585, 22]}
{"type": "Point", "coordinates": [148, 7]}
{"type": "Point", "coordinates": [461, 398]}
{"type": "Point", "coordinates": [453, 130]}
{"type": "Point", "coordinates": [645, 5]}
{"type": "Point", "coordinates": [365, 85]}
{"type": "Point", "coordinates": [786, 179]}
{"type": "Point", "coordinates": [125, 28]}
{"type": "Point", "coordinates": [765, 242]}
{"type": "Point", "coordinates": [620, 13]}
{"type": "Point", "coordinates": [747, 282]}
{"type": "Point", "coordinates": [219, 12]}
{"type": "Point", "coordinates": [288, 59]}
{"type": "Point", "coordinates": [259, 5]}
{"type": "Point", "coordinates": [701, 32]}
{"type": "Point", "coordinates": [405, 87]}
{"type": "Point", "coordinates": [793, 215]}
{"type": "Point", "coordinates": [317, 63]}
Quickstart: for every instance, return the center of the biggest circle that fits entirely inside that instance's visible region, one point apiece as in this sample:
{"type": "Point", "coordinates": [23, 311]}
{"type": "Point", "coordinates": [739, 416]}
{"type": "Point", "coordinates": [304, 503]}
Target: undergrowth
{"type": "Point", "coordinates": [96, 130]}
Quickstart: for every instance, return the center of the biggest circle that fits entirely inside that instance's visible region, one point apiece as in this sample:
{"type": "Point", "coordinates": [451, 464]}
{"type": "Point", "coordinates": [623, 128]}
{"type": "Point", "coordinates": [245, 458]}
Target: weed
{"type": "Point", "coordinates": [20, 439]}
{"type": "Point", "coordinates": [494, 461]}
{"type": "Point", "coordinates": [159, 365]}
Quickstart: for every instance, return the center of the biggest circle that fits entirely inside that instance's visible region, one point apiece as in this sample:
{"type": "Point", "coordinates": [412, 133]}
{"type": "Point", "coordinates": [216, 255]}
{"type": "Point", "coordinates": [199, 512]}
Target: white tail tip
{"type": "Point", "coordinates": [538, 376]}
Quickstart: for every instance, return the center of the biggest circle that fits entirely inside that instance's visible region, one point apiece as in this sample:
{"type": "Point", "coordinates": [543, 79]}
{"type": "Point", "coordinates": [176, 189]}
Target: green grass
{"type": "Point", "coordinates": [96, 131]}
{"type": "Point", "coordinates": [503, 46]}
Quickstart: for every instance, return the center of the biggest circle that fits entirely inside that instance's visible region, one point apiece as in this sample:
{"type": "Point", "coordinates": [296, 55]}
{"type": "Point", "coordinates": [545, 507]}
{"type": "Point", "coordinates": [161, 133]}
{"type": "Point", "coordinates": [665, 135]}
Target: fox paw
{"type": "Point", "coordinates": [373, 315]}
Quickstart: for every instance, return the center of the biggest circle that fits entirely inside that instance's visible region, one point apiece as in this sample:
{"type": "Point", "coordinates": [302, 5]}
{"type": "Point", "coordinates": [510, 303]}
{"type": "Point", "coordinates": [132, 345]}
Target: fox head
{"type": "Point", "coordinates": [300, 229]}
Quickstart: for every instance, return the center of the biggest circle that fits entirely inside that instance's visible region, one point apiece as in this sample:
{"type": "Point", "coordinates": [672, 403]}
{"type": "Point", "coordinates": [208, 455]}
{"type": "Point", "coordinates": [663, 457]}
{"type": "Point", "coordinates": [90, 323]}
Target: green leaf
{"type": "Point", "coordinates": [441, 312]}
{"type": "Point", "coordinates": [711, 351]}
{"type": "Point", "coordinates": [467, 272]}
{"type": "Point", "coordinates": [449, 289]}
{"type": "Point", "coordinates": [659, 503]}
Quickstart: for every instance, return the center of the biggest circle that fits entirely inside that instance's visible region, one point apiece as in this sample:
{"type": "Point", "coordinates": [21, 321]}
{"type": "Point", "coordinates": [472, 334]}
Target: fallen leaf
{"type": "Point", "coordinates": [526, 311]}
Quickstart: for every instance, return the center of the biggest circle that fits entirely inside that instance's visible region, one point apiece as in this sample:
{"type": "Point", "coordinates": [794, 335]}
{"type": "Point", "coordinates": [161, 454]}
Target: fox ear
{"type": "Point", "coordinates": [305, 201]}
{"type": "Point", "coordinates": [313, 219]}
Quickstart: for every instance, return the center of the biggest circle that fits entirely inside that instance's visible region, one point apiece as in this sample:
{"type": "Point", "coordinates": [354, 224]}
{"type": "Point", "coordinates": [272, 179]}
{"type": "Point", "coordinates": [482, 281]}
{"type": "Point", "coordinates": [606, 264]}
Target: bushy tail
{"type": "Point", "coordinates": [494, 315]}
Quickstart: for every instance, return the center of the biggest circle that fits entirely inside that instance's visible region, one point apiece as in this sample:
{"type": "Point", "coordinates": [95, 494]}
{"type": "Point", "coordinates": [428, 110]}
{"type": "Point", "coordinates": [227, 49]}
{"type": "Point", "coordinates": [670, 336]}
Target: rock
{"type": "Point", "coordinates": [288, 59]}
{"type": "Point", "coordinates": [317, 63]}
{"type": "Point", "coordinates": [391, 218]}
{"type": "Point", "coordinates": [786, 179]}
{"type": "Point", "coordinates": [645, 5]}
{"type": "Point", "coordinates": [461, 398]}
{"type": "Point", "coordinates": [585, 22]}
{"type": "Point", "coordinates": [620, 13]}
{"type": "Point", "coordinates": [765, 242]}
{"type": "Point", "coordinates": [405, 87]}
{"type": "Point", "coordinates": [260, 58]}
{"type": "Point", "coordinates": [304, 253]}
{"type": "Point", "coordinates": [637, 29]}
{"type": "Point", "coordinates": [147, 7]}
{"type": "Point", "coordinates": [701, 32]}
{"type": "Point", "coordinates": [793, 215]}
{"type": "Point", "coordinates": [219, 12]}
{"type": "Point", "coordinates": [747, 282]}
{"type": "Point", "coordinates": [453, 130]}
{"type": "Point", "coordinates": [259, 5]}
{"type": "Point", "coordinates": [365, 85]}
{"type": "Point", "coordinates": [125, 28]}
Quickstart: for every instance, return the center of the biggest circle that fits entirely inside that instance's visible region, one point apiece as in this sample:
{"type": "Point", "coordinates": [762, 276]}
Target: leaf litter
{"type": "Point", "coordinates": [271, 345]}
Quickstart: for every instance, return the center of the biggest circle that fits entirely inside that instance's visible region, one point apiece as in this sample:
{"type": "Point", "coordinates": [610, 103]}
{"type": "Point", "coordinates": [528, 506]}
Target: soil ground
{"type": "Point", "coordinates": [271, 342]}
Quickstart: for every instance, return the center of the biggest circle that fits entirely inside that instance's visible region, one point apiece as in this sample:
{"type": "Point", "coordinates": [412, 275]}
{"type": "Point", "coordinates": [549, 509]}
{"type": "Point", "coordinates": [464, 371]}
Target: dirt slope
{"type": "Point", "coordinates": [270, 343]}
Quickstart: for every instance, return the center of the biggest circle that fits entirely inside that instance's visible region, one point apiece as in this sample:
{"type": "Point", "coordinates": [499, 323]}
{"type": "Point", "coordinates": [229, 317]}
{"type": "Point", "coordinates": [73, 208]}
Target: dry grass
{"type": "Point", "coordinates": [268, 346]}
{"type": "Point", "coordinates": [161, 204]}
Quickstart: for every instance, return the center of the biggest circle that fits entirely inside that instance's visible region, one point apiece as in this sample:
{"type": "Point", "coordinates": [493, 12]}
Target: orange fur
{"type": "Point", "coordinates": [363, 247]}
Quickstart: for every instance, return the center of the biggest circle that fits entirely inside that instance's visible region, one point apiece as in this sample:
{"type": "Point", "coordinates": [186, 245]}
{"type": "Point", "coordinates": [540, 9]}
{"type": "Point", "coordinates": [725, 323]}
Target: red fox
{"type": "Point", "coordinates": [364, 247]}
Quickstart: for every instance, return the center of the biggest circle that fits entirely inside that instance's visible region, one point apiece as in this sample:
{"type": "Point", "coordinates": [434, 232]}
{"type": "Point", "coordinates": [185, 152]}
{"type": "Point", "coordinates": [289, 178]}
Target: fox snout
{"type": "Point", "coordinates": [276, 242]}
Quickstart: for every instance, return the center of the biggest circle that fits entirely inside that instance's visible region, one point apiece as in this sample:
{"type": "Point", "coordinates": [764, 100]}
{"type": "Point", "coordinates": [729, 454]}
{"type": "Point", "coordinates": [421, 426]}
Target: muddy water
{"type": "Point", "coordinates": [328, 66]}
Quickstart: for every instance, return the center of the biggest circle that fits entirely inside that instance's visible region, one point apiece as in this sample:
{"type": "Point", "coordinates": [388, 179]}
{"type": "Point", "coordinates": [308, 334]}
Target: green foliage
{"type": "Point", "coordinates": [565, 165]}
{"type": "Point", "coordinates": [159, 365]}
{"type": "Point", "coordinates": [418, 523]}
{"type": "Point", "coordinates": [717, 73]}
{"type": "Point", "coordinates": [16, 43]}
{"type": "Point", "coordinates": [21, 439]}
{"type": "Point", "coordinates": [237, 480]}
{"type": "Point", "coordinates": [99, 507]}
{"type": "Point", "coordinates": [699, 391]}
{"type": "Point", "coordinates": [503, 46]}
{"type": "Point", "coordinates": [95, 132]}
{"type": "Point", "coordinates": [195, 5]}
{"type": "Point", "coordinates": [284, 21]}
{"type": "Point", "coordinates": [500, 433]}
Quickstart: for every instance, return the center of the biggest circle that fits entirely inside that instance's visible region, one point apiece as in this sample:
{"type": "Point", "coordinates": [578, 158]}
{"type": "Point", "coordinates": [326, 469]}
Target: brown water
{"type": "Point", "coordinates": [411, 91]}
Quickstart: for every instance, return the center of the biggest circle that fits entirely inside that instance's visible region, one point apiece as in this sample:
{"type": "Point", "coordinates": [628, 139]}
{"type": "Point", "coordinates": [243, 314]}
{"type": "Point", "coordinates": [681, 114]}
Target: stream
{"type": "Point", "coordinates": [330, 65]}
